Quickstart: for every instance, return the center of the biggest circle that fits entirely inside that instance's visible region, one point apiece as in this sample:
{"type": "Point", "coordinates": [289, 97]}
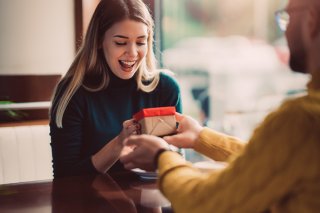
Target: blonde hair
{"type": "Point", "coordinates": [90, 60]}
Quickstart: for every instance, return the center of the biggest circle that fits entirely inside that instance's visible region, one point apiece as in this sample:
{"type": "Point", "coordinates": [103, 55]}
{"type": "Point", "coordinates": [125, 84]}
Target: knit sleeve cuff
{"type": "Point", "coordinates": [168, 160]}
{"type": "Point", "coordinates": [216, 145]}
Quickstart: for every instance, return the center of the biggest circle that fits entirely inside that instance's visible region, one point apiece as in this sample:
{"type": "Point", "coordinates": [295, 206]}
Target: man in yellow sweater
{"type": "Point", "coordinates": [278, 170]}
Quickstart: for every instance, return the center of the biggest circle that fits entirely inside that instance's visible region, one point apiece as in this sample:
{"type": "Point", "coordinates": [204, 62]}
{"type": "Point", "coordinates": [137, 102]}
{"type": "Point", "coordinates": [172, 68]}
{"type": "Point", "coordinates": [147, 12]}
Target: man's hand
{"type": "Point", "coordinates": [187, 133]}
{"type": "Point", "coordinates": [146, 147]}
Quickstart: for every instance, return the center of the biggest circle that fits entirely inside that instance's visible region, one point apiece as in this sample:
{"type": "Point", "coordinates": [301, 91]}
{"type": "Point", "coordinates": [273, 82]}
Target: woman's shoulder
{"type": "Point", "coordinates": [62, 87]}
{"type": "Point", "coordinates": [168, 80]}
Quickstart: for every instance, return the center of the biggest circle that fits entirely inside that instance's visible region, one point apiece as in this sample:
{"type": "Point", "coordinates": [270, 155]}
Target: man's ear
{"type": "Point", "coordinates": [314, 22]}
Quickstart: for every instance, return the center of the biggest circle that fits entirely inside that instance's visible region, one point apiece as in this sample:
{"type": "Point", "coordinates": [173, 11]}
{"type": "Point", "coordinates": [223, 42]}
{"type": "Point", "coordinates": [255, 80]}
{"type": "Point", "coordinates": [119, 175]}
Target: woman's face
{"type": "Point", "coordinates": [125, 46]}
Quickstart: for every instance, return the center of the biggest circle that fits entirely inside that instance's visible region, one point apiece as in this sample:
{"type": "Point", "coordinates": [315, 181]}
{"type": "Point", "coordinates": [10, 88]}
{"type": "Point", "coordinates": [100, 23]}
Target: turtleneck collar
{"type": "Point", "coordinates": [116, 82]}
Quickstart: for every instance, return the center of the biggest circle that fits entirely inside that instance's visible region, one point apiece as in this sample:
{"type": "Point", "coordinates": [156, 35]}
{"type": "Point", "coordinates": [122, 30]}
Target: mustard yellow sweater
{"type": "Point", "coordinates": [278, 170]}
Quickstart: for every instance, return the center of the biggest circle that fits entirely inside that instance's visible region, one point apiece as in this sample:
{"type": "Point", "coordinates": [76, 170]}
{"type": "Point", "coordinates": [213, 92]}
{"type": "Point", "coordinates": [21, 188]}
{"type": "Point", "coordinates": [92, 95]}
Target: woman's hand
{"type": "Point", "coordinates": [111, 152]}
{"type": "Point", "coordinates": [187, 133]}
{"type": "Point", "coordinates": [130, 127]}
{"type": "Point", "coordinates": [146, 147]}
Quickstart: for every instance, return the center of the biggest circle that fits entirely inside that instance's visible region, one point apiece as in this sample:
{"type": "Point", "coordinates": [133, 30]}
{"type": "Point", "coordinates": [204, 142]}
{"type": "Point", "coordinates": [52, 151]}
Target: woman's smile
{"type": "Point", "coordinates": [127, 66]}
{"type": "Point", "coordinates": [125, 46]}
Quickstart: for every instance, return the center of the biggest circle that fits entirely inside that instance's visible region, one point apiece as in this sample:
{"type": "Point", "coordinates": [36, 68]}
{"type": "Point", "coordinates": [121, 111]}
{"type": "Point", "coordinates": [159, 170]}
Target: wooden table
{"type": "Point", "coordinates": [119, 192]}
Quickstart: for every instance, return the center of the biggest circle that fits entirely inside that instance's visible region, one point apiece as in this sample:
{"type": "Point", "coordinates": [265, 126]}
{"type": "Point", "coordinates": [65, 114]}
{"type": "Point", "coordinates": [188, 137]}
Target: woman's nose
{"type": "Point", "coordinates": [132, 50]}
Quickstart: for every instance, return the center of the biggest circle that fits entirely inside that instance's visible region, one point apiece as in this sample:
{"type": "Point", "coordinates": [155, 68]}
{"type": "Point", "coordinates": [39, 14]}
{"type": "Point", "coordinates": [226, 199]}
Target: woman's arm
{"type": "Point", "coordinates": [111, 152]}
{"type": "Point", "coordinates": [67, 142]}
{"type": "Point", "coordinates": [70, 153]}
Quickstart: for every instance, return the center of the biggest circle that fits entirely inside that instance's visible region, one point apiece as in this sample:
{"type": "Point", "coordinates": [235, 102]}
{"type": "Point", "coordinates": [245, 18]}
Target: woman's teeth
{"type": "Point", "coordinates": [127, 64]}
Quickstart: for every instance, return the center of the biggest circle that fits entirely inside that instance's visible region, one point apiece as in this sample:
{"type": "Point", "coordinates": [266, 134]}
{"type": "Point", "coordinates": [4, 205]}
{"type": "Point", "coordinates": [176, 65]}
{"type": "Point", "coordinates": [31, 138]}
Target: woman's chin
{"type": "Point", "coordinates": [125, 75]}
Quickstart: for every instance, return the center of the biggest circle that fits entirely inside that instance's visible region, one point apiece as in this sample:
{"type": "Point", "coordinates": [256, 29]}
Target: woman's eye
{"type": "Point", "coordinates": [120, 43]}
{"type": "Point", "coordinates": [141, 43]}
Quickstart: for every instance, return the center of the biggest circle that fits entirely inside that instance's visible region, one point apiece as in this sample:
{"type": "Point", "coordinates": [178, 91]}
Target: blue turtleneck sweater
{"type": "Point", "coordinates": [92, 119]}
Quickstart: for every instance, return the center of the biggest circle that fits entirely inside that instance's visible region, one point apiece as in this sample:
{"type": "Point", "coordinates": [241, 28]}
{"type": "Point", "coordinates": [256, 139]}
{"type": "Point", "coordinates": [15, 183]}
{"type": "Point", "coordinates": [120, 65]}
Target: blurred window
{"type": "Point", "coordinates": [230, 59]}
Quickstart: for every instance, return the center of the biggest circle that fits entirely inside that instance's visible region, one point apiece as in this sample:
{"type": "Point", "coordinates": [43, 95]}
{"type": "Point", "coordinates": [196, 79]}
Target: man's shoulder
{"type": "Point", "coordinates": [295, 111]}
{"type": "Point", "coordinates": [301, 104]}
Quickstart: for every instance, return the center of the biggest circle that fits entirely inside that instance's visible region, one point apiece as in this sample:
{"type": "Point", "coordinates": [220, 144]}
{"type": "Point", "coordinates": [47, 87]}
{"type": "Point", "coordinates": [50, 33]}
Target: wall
{"type": "Point", "coordinates": [88, 7]}
{"type": "Point", "coordinates": [36, 36]}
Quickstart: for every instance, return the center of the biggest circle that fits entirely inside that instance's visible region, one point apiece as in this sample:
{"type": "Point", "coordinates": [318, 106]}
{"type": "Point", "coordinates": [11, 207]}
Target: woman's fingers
{"type": "Point", "coordinates": [131, 127]}
{"type": "Point", "coordinates": [129, 165]}
{"type": "Point", "coordinates": [127, 123]}
{"type": "Point", "coordinates": [179, 116]}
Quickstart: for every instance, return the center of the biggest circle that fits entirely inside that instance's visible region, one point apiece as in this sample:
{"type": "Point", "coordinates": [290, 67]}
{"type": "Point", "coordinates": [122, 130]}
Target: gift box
{"type": "Point", "coordinates": [159, 121]}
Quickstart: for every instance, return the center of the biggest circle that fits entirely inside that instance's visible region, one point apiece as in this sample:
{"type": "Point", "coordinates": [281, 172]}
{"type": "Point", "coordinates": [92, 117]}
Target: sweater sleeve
{"type": "Point", "coordinates": [218, 146]}
{"type": "Point", "coordinates": [66, 142]}
{"type": "Point", "coordinates": [271, 164]}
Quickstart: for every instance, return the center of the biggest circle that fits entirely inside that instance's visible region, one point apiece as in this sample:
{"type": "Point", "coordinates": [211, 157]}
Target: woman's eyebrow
{"type": "Point", "coordinates": [143, 36]}
{"type": "Point", "coordinates": [122, 36]}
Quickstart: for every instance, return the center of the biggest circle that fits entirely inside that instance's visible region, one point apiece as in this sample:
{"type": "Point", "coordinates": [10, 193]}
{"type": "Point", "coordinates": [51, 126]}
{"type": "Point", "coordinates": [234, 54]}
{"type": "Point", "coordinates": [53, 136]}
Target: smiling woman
{"type": "Point", "coordinates": [113, 76]}
{"type": "Point", "coordinates": [125, 46]}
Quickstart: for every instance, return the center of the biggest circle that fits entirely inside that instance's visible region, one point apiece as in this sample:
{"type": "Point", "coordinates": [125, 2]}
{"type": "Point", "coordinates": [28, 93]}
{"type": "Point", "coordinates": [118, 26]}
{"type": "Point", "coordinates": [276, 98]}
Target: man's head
{"type": "Point", "coordinates": [303, 28]}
